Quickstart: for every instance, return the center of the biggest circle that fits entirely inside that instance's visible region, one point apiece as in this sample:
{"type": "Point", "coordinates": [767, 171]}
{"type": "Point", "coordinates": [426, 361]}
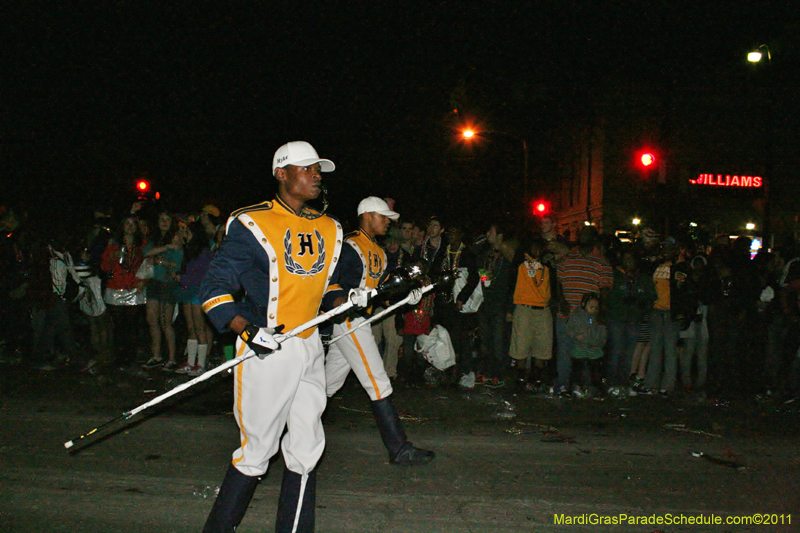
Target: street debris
{"type": "Point", "coordinates": [722, 462]}
{"type": "Point", "coordinates": [549, 433]}
{"type": "Point", "coordinates": [683, 428]}
{"type": "Point", "coordinates": [209, 491]}
{"type": "Point", "coordinates": [505, 411]}
{"type": "Point", "coordinates": [536, 429]}
{"type": "Point", "coordinates": [402, 415]}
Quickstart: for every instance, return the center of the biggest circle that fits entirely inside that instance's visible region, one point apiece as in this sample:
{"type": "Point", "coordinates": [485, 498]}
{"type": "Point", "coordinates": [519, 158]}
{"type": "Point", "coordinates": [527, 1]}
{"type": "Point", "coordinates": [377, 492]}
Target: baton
{"type": "Point", "coordinates": [228, 364]}
{"type": "Point", "coordinates": [383, 313]}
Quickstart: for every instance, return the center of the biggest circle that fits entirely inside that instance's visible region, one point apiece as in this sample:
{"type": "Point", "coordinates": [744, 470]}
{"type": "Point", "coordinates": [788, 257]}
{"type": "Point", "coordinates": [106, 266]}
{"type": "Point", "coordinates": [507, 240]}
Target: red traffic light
{"type": "Point", "coordinates": [540, 208]}
{"type": "Point", "coordinates": [142, 186]}
{"type": "Point", "coordinates": [647, 158]}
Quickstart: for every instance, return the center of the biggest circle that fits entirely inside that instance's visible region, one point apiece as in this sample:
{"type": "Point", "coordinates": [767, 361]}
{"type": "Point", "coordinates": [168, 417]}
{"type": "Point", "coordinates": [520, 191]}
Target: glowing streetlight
{"type": "Point", "coordinates": [755, 56]}
{"type": "Point", "coordinates": [750, 226]}
{"type": "Point", "coordinates": [468, 134]}
{"type": "Point", "coordinates": [636, 221]}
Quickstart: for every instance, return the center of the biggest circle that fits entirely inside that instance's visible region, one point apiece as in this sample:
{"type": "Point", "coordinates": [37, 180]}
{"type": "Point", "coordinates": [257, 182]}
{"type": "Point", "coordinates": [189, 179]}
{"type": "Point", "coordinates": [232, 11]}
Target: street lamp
{"type": "Point", "coordinates": [755, 56]}
{"type": "Point", "coordinates": [469, 134]}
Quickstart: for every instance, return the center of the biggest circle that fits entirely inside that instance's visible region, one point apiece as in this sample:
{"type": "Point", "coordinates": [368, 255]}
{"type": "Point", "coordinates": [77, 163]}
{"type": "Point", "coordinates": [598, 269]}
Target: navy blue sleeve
{"type": "Point", "coordinates": [223, 278]}
{"type": "Point", "coordinates": [350, 268]}
{"type": "Point", "coordinates": [346, 276]}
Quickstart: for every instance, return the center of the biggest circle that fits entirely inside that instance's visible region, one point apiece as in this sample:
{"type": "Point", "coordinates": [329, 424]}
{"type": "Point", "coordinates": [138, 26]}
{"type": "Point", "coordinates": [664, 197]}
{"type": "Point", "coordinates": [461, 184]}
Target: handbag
{"type": "Point", "coordinates": [437, 348]}
{"type": "Point", "coordinates": [92, 303]}
{"type": "Point", "coordinates": [146, 270]}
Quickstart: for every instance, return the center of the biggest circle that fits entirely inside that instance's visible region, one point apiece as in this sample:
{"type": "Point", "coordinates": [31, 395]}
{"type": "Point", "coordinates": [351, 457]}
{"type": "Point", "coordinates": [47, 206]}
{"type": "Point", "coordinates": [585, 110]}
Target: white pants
{"type": "Point", "coordinates": [286, 388]}
{"type": "Point", "coordinates": [359, 352]}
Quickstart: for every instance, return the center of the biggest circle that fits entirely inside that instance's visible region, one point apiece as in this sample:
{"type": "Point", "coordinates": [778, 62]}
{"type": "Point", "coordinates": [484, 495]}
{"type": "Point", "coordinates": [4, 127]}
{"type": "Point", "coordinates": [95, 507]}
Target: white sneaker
{"type": "Point", "coordinates": [196, 371]}
{"type": "Point", "coordinates": [185, 368]}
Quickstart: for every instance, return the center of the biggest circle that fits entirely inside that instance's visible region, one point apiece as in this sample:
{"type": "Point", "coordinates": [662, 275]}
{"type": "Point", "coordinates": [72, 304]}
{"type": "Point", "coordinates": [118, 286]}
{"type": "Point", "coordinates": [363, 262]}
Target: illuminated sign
{"type": "Point", "coordinates": [726, 180]}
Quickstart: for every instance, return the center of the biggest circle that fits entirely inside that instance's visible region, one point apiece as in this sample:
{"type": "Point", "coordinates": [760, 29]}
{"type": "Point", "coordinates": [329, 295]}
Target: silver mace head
{"type": "Point", "coordinates": [395, 279]}
{"type": "Point", "coordinates": [401, 276]}
{"type": "Point", "coordinates": [447, 277]}
{"type": "Point", "coordinates": [415, 271]}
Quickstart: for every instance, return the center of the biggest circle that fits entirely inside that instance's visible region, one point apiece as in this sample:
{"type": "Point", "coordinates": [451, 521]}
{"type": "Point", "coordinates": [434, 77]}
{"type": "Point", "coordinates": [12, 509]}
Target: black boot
{"type": "Point", "coordinates": [234, 496]}
{"type": "Point", "coordinates": [401, 452]}
{"type": "Point", "coordinates": [292, 496]}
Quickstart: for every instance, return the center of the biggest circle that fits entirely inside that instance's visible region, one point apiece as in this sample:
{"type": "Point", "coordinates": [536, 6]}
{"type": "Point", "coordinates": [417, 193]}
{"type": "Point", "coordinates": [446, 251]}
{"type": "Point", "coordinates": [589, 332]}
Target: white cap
{"type": "Point", "coordinates": [301, 154]}
{"type": "Point", "coordinates": [373, 204]}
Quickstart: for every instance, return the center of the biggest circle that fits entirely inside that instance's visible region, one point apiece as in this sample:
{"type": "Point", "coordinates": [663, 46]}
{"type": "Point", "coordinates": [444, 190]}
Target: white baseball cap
{"type": "Point", "coordinates": [373, 204]}
{"type": "Point", "coordinates": [301, 154]}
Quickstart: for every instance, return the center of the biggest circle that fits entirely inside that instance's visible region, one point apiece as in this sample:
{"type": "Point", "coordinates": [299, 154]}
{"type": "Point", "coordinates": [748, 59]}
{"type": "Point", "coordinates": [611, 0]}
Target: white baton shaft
{"type": "Point", "coordinates": [236, 360]}
{"type": "Point", "coordinates": [279, 338]}
{"type": "Point", "coordinates": [382, 314]}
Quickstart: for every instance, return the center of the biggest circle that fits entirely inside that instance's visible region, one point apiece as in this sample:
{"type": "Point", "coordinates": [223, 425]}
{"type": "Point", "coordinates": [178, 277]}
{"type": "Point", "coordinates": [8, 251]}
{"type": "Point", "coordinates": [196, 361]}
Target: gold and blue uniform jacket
{"type": "Point", "coordinates": [285, 262]}
{"type": "Point", "coordinates": [363, 262]}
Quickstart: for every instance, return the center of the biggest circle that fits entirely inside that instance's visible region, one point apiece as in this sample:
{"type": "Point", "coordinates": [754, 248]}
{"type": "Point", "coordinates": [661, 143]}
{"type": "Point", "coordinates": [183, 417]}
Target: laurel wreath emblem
{"type": "Point", "coordinates": [293, 266]}
{"type": "Point", "coordinates": [374, 261]}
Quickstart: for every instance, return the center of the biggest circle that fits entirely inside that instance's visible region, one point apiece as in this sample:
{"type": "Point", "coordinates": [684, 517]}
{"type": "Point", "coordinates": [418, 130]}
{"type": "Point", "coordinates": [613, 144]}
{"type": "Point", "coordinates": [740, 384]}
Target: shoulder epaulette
{"type": "Point", "coordinates": [263, 206]}
{"type": "Point", "coordinates": [352, 234]}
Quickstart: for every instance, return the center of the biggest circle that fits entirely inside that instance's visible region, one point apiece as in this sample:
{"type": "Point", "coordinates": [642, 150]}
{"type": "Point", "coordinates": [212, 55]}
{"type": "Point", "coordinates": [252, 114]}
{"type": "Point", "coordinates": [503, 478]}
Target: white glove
{"type": "Point", "coordinates": [359, 297]}
{"type": "Point", "coordinates": [260, 340]}
{"type": "Point", "coordinates": [415, 296]}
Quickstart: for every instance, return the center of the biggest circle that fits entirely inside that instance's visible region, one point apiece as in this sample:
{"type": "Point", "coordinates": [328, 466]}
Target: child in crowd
{"type": "Point", "coordinates": [589, 337]}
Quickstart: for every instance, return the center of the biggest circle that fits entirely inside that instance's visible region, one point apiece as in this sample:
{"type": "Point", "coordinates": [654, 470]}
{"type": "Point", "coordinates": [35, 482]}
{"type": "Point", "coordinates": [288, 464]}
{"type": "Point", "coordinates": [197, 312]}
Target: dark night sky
{"type": "Point", "coordinates": [199, 95]}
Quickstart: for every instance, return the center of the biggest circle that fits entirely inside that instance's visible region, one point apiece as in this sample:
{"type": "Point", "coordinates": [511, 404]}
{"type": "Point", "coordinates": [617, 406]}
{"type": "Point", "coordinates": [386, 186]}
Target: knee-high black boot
{"type": "Point", "coordinates": [297, 502]}
{"type": "Point", "coordinates": [234, 496]}
{"type": "Point", "coordinates": [401, 451]}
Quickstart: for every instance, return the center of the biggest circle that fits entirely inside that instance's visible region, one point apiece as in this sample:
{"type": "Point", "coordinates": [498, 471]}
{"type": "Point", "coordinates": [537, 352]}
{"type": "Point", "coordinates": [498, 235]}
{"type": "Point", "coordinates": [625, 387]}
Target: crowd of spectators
{"type": "Point", "coordinates": [594, 317]}
{"type": "Point", "coordinates": [119, 294]}
{"type": "Point", "coordinates": [599, 316]}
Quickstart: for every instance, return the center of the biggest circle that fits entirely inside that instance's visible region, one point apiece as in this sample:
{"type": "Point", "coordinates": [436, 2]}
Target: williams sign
{"type": "Point", "coordinates": [727, 180]}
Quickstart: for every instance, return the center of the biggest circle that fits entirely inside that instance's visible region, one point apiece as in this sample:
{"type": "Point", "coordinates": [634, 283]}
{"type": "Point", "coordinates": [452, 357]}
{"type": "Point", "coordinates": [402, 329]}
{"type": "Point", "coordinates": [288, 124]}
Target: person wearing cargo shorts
{"type": "Point", "coordinates": [532, 325]}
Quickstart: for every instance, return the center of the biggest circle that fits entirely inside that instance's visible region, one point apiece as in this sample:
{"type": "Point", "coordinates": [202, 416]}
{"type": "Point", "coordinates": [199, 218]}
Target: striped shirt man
{"type": "Point", "coordinates": [580, 274]}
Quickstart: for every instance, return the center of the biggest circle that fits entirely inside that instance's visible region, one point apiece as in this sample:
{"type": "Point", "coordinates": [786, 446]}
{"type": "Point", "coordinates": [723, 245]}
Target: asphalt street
{"type": "Point", "coordinates": [507, 461]}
